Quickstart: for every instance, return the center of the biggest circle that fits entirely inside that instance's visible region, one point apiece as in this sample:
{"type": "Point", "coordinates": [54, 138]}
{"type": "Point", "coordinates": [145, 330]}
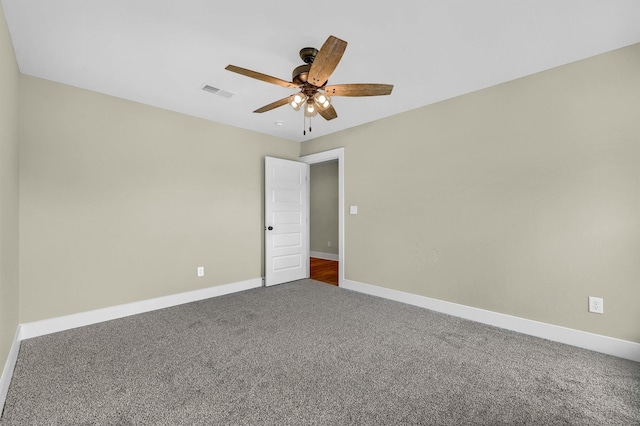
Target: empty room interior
{"type": "Point", "coordinates": [497, 185]}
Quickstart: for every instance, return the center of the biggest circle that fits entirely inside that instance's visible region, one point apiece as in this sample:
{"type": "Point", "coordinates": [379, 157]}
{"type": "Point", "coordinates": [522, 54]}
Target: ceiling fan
{"type": "Point", "coordinates": [311, 78]}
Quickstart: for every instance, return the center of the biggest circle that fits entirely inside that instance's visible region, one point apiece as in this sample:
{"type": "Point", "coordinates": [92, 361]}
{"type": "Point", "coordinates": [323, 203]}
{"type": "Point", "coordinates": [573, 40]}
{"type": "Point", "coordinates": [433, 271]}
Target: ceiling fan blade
{"type": "Point", "coordinates": [260, 76]}
{"type": "Point", "coordinates": [273, 105]}
{"type": "Point", "coordinates": [359, 89]}
{"type": "Point", "coordinates": [329, 113]}
{"type": "Point", "coordinates": [326, 61]}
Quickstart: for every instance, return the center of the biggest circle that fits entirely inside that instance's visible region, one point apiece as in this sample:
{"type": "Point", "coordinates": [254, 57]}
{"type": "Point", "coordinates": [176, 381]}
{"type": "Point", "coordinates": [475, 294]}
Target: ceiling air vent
{"type": "Point", "coordinates": [217, 91]}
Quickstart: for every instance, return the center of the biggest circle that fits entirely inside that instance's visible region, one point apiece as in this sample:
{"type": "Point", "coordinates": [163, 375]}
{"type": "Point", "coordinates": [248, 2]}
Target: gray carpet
{"type": "Point", "coordinates": [307, 353]}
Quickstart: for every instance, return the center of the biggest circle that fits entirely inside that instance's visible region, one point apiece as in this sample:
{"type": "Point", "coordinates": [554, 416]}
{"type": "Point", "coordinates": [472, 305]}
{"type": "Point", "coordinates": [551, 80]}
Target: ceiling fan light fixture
{"type": "Point", "coordinates": [297, 101]}
{"type": "Point", "coordinates": [322, 101]}
{"type": "Point", "coordinates": [310, 109]}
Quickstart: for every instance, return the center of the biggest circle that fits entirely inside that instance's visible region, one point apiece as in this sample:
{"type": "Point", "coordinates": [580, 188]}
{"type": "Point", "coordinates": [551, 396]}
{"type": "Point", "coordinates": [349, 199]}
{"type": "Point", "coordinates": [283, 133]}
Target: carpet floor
{"type": "Point", "coordinates": [307, 353]}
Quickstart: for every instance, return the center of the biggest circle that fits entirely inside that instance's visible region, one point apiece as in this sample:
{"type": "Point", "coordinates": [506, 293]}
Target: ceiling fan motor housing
{"type": "Point", "coordinates": [300, 74]}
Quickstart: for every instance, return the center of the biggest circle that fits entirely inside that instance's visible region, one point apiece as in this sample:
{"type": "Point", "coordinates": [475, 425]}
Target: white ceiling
{"type": "Point", "coordinates": [161, 52]}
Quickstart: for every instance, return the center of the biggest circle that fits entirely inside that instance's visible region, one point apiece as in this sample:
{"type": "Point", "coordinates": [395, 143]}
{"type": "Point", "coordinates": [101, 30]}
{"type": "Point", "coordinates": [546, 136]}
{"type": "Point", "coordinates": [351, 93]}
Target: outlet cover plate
{"type": "Point", "coordinates": [596, 305]}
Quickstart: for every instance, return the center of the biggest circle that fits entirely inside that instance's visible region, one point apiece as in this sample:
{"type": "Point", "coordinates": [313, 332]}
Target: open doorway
{"type": "Point", "coordinates": [323, 219]}
{"type": "Point", "coordinates": [325, 251]}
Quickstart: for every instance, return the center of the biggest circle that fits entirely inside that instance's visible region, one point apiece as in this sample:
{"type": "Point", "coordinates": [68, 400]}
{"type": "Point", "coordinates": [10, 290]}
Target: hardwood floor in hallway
{"type": "Point", "coordinates": [324, 270]}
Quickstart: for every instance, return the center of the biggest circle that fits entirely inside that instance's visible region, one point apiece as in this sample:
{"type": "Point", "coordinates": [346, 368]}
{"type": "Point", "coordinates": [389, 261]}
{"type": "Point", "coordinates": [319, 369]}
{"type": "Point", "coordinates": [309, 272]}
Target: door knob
{"type": "Point", "coordinates": [270, 228]}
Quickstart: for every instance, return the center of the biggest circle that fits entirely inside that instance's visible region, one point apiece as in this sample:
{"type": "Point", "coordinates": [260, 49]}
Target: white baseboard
{"type": "Point", "coordinates": [9, 366]}
{"type": "Point", "coordinates": [53, 325]}
{"type": "Point", "coordinates": [325, 256]}
{"type": "Point", "coordinates": [582, 339]}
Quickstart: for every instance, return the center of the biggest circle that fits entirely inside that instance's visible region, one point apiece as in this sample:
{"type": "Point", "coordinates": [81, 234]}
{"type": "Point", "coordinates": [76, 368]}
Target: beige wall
{"type": "Point", "coordinates": [522, 198]}
{"type": "Point", "coordinates": [121, 202]}
{"type": "Point", "coordinates": [323, 209]}
{"type": "Point", "coordinates": [9, 289]}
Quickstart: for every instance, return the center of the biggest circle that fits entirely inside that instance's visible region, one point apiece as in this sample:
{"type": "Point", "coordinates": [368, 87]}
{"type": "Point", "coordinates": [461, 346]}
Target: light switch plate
{"type": "Point", "coordinates": [353, 209]}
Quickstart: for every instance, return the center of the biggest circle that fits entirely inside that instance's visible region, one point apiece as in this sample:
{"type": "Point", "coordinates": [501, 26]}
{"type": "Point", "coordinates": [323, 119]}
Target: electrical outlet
{"type": "Point", "coordinates": [596, 305]}
{"type": "Point", "coordinates": [201, 271]}
{"type": "Point", "coordinates": [328, 243]}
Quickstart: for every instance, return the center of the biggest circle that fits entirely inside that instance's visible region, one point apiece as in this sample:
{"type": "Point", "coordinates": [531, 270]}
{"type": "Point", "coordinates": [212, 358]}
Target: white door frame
{"type": "Point", "coordinates": [321, 157]}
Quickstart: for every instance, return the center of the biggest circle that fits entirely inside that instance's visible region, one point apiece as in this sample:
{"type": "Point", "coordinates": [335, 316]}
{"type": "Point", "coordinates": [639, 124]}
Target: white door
{"type": "Point", "coordinates": [286, 221]}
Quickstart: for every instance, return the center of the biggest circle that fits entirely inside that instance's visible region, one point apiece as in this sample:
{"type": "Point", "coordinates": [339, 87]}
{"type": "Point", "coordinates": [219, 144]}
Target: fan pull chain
{"type": "Point", "coordinates": [304, 125]}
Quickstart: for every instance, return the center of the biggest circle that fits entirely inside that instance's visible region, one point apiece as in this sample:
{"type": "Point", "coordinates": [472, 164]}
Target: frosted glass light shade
{"type": "Point", "coordinates": [322, 100]}
{"type": "Point", "coordinates": [297, 101]}
{"type": "Point", "coordinates": [310, 109]}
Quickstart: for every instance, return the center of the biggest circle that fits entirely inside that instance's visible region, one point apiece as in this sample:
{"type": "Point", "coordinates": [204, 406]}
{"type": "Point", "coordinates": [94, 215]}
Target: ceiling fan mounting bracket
{"type": "Point", "coordinates": [308, 54]}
